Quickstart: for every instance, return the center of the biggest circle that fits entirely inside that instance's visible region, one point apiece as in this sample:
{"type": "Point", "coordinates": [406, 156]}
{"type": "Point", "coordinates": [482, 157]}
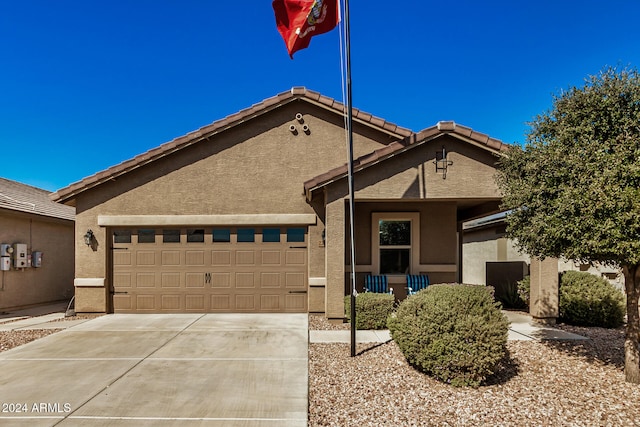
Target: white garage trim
{"type": "Point", "coordinates": [97, 282]}
{"type": "Point", "coordinates": [204, 220]}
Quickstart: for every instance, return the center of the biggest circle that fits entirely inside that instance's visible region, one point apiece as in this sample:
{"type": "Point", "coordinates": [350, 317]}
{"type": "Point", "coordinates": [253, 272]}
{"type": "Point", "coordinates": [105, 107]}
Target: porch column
{"type": "Point", "coordinates": [335, 259]}
{"type": "Point", "coordinates": [543, 303]}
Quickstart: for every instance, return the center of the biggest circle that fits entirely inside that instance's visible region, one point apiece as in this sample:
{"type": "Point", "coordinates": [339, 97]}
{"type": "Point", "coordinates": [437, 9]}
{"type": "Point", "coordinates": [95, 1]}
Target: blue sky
{"type": "Point", "coordinates": [85, 85]}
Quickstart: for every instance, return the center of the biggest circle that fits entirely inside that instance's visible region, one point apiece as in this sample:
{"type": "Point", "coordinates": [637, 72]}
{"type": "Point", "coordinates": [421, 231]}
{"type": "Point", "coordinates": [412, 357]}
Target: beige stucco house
{"type": "Point", "coordinates": [249, 213]}
{"type": "Point", "coordinates": [36, 247]}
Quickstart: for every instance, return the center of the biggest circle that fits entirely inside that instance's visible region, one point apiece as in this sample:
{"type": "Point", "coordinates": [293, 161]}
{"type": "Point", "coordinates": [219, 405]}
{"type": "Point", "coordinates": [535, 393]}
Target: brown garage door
{"type": "Point", "coordinates": [182, 270]}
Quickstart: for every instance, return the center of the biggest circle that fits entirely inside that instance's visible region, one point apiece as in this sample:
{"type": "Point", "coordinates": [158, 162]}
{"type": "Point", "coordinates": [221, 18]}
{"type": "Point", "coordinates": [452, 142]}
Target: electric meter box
{"type": "Point", "coordinates": [5, 263]}
{"type": "Point", "coordinates": [20, 255]}
{"type": "Point", "coordinates": [5, 249]}
{"type": "Point", "coordinates": [36, 259]}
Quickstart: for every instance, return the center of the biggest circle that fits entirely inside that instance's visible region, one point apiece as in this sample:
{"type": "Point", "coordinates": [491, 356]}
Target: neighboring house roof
{"type": "Point", "coordinates": [24, 198]}
{"type": "Point", "coordinates": [441, 128]}
{"type": "Point", "coordinates": [70, 192]}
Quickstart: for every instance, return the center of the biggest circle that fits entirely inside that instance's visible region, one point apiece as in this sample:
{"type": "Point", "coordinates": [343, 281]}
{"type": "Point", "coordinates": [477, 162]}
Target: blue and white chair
{"type": "Point", "coordinates": [416, 282]}
{"type": "Point", "coordinates": [377, 284]}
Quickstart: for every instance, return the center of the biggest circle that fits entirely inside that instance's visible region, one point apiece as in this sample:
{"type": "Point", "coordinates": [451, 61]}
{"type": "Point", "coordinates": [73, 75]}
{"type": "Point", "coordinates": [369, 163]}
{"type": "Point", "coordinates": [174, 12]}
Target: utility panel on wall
{"type": "Point", "coordinates": [5, 250]}
{"type": "Point", "coordinates": [36, 257]}
{"type": "Point", "coordinates": [20, 255]}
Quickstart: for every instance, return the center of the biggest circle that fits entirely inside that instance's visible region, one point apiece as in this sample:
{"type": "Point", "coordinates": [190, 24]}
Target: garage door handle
{"type": "Point", "coordinates": [297, 247]}
{"type": "Point", "coordinates": [297, 292]}
{"type": "Point", "coordinates": [119, 249]}
{"type": "Point", "coordinates": [119, 293]}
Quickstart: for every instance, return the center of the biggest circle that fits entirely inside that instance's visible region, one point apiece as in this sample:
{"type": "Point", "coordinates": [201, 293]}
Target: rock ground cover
{"type": "Point", "coordinates": [559, 383]}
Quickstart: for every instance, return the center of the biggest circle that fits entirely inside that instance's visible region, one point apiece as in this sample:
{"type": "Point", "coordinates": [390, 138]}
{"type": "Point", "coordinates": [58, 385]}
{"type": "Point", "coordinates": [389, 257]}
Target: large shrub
{"type": "Point", "coordinates": [455, 333]}
{"type": "Point", "coordinates": [372, 310]}
{"type": "Point", "coordinates": [590, 300]}
{"type": "Point", "coordinates": [524, 290]}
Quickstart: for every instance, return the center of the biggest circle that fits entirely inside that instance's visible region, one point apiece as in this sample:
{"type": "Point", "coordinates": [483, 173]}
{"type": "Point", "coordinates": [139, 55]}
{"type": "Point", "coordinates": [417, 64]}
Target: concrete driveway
{"type": "Point", "coordinates": [161, 370]}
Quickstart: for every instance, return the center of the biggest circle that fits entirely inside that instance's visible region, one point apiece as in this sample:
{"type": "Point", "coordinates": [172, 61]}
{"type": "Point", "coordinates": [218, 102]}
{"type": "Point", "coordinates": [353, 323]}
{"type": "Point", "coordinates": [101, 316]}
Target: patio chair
{"type": "Point", "coordinates": [416, 282]}
{"type": "Point", "coordinates": [377, 284]}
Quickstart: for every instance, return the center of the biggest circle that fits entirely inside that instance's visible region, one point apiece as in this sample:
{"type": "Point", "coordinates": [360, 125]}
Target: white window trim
{"type": "Point", "coordinates": [414, 217]}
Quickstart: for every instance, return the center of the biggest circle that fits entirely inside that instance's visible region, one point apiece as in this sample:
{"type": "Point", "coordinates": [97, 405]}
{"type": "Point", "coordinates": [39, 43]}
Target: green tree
{"type": "Point", "coordinates": [573, 191]}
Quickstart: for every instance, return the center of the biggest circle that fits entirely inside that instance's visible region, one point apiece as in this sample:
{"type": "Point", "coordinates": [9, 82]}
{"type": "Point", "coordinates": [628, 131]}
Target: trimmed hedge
{"type": "Point", "coordinates": [372, 310]}
{"type": "Point", "coordinates": [455, 333]}
{"type": "Point", "coordinates": [589, 300]}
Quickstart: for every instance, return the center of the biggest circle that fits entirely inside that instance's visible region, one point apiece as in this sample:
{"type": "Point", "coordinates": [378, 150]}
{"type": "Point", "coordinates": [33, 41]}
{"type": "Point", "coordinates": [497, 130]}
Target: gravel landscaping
{"type": "Point", "coordinates": [568, 383]}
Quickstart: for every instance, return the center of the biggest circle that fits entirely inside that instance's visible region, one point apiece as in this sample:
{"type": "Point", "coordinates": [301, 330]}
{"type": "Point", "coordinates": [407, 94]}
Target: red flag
{"type": "Point", "coordinates": [299, 20]}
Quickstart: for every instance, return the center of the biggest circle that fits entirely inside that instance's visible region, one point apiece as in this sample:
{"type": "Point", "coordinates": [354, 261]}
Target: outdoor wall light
{"type": "Point", "coordinates": [442, 163]}
{"type": "Point", "coordinates": [88, 237]}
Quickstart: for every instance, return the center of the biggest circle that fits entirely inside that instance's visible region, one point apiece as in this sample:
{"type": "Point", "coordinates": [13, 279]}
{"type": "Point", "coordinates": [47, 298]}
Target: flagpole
{"type": "Point", "coordinates": [347, 31]}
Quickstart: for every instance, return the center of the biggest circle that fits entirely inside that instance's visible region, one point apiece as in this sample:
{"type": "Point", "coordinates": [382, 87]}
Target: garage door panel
{"type": "Point", "coordinates": [270, 302]}
{"type": "Point", "coordinates": [295, 281]}
{"type": "Point", "coordinates": [245, 280]}
{"type": "Point", "coordinates": [245, 302]}
{"type": "Point", "coordinates": [209, 276]}
{"type": "Point", "coordinates": [146, 302]}
{"type": "Point", "coordinates": [246, 258]}
{"type": "Point", "coordinates": [221, 258]}
{"type": "Point", "coordinates": [270, 280]}
{"type": "Point", "coordinates": [296, 257]}
{"type": "Point", "coordinates": [221, 302]}
{"type": "Point", "coordinates": [122, 280]}
{"type": "Point", "coordinates": [123, 302]}
{"type": "Point", "coordinates": [170, 258]}
{"type": "Point", "coordinates": [272, 258]}
{"type": "Point", "coordinates": [195, 303]}
{"type": "Point", "coordinates": [170, 280]}
{"type": "Point", "coordinates": [194, 280]}
{"type": "Point", "coordinates": [221, 280]}
{"type": "Point", "coordinates": [122, 258]}
{"type": "Point", "coordinates": [145, 258]}
{"type": "Point", "coordinates": [145, 280]}
{"type": "Point", "coordinates": [171, 302]}
{"type": "Point", "coordinates": [295, 302]}
{"type": "Point", "coordinates": [194, 257]}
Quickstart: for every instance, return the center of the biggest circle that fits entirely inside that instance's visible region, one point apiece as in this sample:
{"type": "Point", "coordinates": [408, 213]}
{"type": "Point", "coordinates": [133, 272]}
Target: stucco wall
{"type": "Point", "coordinates": [258, 167]}
{"type": "Point", "coordinates": [412, 174]}
{"type": "Point", "coordinates": [408, 182]}
{"type": "Point", "coordinates": [51, 282]}
{"type": "Point", "coordinates": [489, 244]}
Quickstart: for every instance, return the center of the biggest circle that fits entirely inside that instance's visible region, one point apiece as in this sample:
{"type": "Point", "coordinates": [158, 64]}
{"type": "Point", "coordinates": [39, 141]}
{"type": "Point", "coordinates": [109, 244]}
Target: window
{"type": "Point", "coordinates": [171, 236]}
{"type": "Point", "coordinates": [395, 246]}
{"type": "Point", "coordinates": [122, 236]}
{"type": "Point", "coordinates": [295, 234]}
{"type": "Point", "coordinates": [221, 235]}
{"type": "Point", "coordinates": [270, 235]}
{"type": "Point", "coordinates": [146, 236]}
{"type": "Point", "coordinates": [395, 242]}
{"type": "Point", "coordinates": [195, 235]}
{"type": "Point", "coordinates": [246, 234]}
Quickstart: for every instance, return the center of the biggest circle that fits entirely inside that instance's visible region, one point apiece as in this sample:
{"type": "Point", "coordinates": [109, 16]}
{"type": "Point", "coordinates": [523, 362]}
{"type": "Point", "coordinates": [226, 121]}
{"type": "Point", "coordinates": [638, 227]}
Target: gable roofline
{"type": "Point", "coordinates": [15, 196]}
{"type": "Point", "coordinates": [70, 192]}
{"type": "Point", "coordinates": [463, 133]}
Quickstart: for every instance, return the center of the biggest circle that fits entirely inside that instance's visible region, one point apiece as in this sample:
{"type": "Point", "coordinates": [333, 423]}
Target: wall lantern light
{"type": "Point", "coordinates": [88, 237]}
{"type": "Point", "coordinates": [442, 163]}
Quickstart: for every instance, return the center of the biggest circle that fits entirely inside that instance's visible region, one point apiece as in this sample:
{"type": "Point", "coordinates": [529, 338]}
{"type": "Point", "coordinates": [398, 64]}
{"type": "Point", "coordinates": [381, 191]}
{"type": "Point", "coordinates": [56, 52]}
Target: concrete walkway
{"type": "Point", "coordinates": [522, 328]}
{"type": "Point", "coordinates": [209, 370]}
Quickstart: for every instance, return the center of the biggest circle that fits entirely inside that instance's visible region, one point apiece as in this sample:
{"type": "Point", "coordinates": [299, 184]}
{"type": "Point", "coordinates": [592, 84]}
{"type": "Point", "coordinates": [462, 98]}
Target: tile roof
{"type": "Point", "coordinates": [69, 192]}
{"type": "Point", "coordinates": [24, 198]}
{"type": "Point", "coordinates": [441, 128]}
